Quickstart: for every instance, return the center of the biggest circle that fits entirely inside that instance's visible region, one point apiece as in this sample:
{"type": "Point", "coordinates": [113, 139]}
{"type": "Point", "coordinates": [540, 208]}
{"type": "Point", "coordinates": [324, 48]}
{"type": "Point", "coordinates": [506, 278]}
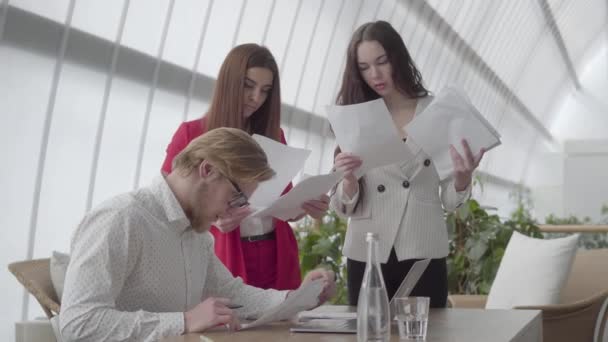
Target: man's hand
{"type": "Point", "coordinates": [349, 164]}
{"type": "Point", "coordinates": [209, 313]}
{"type": "Point", "coordinates": [329, 283]}
{"type": "Point", "coordinates": [317, 208]}
{"type": "Point", "coordinates": [464, 165]}
{"type": "Point", "coordinates": [233, 217]}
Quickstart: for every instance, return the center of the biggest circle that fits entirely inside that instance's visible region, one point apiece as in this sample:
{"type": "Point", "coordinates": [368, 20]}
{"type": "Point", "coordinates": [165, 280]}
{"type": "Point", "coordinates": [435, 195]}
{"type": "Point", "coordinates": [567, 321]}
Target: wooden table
{"type": "Point", "coordinates": [467, 325]}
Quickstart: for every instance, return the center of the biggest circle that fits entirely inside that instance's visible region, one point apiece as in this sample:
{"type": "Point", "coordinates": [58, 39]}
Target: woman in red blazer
{"type": "Point", "coordinates": [263, 252]}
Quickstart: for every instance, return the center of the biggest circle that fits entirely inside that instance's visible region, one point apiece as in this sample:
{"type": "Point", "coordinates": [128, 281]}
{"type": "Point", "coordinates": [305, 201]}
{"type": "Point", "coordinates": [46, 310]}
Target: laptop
{"type": "Point", "coordinates": [321, 320]}
{"type": "Point", "coordinates": [411, 279]}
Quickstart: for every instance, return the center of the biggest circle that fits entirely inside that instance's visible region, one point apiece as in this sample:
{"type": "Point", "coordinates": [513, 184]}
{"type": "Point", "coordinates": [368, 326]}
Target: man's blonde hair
{"type": "Point", "coordinates": [233, 151]}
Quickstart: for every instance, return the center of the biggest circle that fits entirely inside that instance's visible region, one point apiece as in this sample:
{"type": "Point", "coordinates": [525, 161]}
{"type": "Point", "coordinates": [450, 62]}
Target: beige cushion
{"type": "Point", "coordinates": [58, 268]}
{"type": "Point", "coordinates": [532, 272]}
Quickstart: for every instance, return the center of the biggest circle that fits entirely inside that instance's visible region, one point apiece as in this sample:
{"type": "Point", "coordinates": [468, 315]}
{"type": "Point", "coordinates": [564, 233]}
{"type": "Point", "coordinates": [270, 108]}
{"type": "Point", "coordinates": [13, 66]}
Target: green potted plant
{"type": "Point", "coordinates": [320, 244]}
{"type": "Point", "coordinates": [477, 243]}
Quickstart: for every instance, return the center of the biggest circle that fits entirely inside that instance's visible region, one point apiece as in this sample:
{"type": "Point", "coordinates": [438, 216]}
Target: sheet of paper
{"type": "Point", "coordinates": [286, 161]}
{"type": "Point", "coordinates": [289, 205]}
{"type": "Point", "coordinates": [302, 299]}
{"type": "Point", "coordinates": [367, 130]}
{"type": "Point", "coordinates": [447, 120]}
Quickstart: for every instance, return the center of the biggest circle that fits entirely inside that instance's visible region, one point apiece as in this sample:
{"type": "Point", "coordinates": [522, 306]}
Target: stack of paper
{"type": "Point", "coordinates": [447, 120]}
{"type": "Point", "coordinates": [367, 130]}
{"type": "Point", "coordinates": [329, 312]}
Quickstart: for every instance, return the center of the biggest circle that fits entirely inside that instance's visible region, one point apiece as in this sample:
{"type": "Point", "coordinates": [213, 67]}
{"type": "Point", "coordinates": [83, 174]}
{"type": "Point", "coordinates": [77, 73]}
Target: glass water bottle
{"type": "Point", "coordinates": [373, 315]}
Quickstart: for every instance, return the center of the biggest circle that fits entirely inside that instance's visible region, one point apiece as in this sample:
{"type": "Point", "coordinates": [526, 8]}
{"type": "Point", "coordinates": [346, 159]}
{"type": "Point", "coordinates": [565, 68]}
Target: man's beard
{"type": "Point", "coordinates": [199, 220]}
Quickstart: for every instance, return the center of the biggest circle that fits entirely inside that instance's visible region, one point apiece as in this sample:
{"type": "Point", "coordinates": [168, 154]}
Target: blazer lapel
{"type": "Point", "coordinates": [410, 168]}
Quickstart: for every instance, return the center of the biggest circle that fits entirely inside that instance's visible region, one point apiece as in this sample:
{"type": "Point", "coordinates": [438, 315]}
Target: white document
{"type": "Point", "coordinates": [285, 161]}
{"type": "Point", "coordinates": [289, 205]}
{"type": "Point", "coordinates": [447, 120]}
{"type": "Point", "coordinates": [367, 130]}
{"type": "Point", "coordinates": [302, 299]}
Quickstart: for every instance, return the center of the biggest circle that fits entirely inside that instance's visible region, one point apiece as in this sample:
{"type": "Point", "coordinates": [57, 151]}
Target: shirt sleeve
{"type": "Point", "coordinates": [451, 198]}
{"type": "Point", "coordinates": [179, 142]}
{"type": "Point", "coordinates": [340, 202]}
{"type": "Point", "coordinates": [105, 250]}
{"type": "Point", "coordinates": [221, 283]}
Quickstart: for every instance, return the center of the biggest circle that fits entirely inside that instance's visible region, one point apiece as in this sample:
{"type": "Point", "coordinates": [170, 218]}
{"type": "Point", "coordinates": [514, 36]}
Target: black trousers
{"type": "Point", "coordinates": [433, 283]}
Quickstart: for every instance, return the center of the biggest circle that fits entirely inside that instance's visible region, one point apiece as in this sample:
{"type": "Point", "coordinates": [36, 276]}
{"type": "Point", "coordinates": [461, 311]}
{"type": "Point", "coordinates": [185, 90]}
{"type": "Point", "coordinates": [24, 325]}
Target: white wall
{"type": "Point", "coordinates": [586, 178]}
{"type": "Point", "coordinates": [573, 181]}
{"type": "Point", "coordinates": [546, 179]}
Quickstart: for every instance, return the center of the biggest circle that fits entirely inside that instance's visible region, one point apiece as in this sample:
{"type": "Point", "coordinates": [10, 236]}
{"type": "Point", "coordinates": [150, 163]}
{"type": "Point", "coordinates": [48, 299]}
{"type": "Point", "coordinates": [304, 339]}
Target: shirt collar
{"type": "Point", "coordinates": [422, 103]}
{"type": "Point", "coordinates": [175, 215]}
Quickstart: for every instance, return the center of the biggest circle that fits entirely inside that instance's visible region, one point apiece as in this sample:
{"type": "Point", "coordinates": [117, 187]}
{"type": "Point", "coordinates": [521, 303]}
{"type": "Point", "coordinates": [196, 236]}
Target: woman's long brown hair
{"type": "Point", "coordinates": [227, 104]}
{"type": "Point", "coordinates": [406, 76]}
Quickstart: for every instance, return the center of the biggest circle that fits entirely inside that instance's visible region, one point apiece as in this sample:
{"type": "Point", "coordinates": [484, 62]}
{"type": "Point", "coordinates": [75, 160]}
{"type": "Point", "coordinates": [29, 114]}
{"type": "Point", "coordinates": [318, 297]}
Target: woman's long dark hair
{"type": "Point", "coordinates": [226, 108]}
{"type": "Point", "coordinates": [406, 77]}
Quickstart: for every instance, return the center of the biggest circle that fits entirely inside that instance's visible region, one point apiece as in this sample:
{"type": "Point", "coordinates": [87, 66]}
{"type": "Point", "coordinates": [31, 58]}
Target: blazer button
{"type": "Point", "coordinates": [427, 162]}
{"type": "Point", "coordinates": [381, 188]}
{"type": "Point", "coordinates": [406, 184]}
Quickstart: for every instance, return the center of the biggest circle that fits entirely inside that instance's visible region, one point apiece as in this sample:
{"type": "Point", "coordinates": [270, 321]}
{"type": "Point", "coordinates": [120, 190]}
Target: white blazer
{"type": "Point", "coordinates": [404, 203]}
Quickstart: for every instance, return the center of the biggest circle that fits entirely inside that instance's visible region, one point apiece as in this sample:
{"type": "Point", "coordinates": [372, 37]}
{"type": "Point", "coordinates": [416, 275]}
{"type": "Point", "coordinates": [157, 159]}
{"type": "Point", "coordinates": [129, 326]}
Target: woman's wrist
{"type": "Point", "coordinates": [350, 188]}
{"type": "Point", "coordinates": [460, 187]}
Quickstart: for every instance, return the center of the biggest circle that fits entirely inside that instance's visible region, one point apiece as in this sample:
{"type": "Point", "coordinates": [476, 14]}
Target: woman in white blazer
{"type": "Point", "coordinates": [404, 203]}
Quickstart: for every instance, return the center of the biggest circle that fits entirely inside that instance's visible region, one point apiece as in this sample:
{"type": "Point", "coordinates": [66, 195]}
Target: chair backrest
{"type": "Point", "coordinates": [588, 277]}
{"type": "Point", "coordinates": [35, 276]}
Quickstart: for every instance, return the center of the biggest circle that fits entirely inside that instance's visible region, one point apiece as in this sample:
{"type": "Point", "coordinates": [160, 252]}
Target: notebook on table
{"type": "Point", "coordinates": [327, 325]}
{"type": "Point", "coordinates": [323, 320]}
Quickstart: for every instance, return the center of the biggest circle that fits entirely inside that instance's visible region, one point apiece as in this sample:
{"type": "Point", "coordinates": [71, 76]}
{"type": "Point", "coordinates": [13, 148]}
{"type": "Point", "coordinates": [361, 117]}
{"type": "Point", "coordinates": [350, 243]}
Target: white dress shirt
{"type": "Point", "coordinates": [252, 226]}
{"type": "Point", "coordinates": [136, 267]}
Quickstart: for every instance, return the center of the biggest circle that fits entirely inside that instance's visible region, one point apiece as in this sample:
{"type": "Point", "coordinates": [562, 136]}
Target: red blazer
{"type": "Point", "coordinates": [228, 245]}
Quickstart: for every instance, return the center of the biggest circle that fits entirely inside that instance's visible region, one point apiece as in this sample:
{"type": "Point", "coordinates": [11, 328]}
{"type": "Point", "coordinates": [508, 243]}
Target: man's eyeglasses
{"type": "Point", "coordinates": [239, 200]}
